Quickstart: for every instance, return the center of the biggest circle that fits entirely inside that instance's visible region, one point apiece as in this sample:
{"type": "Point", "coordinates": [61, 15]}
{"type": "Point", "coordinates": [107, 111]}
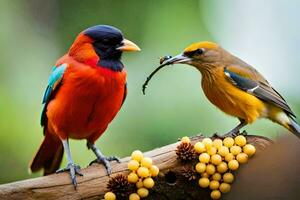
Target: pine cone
{"type": "Point", "coordinates": [186, 152]}
{"type": "Point", "coordinates": [120, 186]}
{"type": "Point", "coordinates": [189, 173]}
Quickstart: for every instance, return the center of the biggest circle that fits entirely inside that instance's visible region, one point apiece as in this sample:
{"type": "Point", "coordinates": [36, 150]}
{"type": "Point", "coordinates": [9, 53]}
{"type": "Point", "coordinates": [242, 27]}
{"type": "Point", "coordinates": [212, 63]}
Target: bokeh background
{"type": "Point", "coordinates": [34, 34]}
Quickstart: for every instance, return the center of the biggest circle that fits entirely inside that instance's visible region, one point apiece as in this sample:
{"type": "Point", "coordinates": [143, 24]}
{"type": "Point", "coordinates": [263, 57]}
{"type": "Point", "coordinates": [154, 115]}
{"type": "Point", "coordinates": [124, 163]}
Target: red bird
{"type": "Point", "coordinates": [86, 89]}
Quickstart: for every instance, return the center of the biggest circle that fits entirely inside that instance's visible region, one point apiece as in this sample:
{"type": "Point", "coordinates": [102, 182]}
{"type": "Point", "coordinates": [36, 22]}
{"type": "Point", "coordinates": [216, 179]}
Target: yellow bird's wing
{"type": "Point", "coordinates": [252, 82]}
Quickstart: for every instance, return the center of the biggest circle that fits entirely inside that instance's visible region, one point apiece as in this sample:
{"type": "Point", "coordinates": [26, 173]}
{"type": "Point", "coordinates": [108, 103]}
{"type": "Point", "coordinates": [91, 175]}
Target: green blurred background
{"type": "Point", "coordinates": [34, 34]}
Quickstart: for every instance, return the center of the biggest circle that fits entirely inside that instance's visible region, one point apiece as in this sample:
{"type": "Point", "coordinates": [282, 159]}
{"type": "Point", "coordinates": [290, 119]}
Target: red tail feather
{"type": "Point", "coordinates": [49, 155]}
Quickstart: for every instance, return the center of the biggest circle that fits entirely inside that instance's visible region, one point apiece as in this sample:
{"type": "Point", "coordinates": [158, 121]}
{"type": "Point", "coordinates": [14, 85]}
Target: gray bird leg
{"type": "Point", "coordinates": [71, 166]}
{"type": "Point", "coordinates": [101, 159]}
{"type": "Point", "coordinates": [235, 131]}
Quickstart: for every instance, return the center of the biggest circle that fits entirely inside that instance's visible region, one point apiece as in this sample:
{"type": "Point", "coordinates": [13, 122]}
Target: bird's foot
{"type": "Point", "coordinates": [244, 133]}
{"type": "Point", "coordinates": [101, 159]}
{"type": "Point", "coordinates": [234, 134]}
{"type": "Point", "coordinates": [216, 135]}
{"type": "Point", "coordinates": [105, 161]}
{"type": "Point", "coordinates": [73, 169]}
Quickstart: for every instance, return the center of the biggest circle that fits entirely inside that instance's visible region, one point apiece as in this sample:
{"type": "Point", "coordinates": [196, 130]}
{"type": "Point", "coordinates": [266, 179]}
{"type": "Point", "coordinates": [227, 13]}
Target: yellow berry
{"type": "Point", "coordinates": [148, 182]}
{"type": "Point", "coordinates": [212, 150]}
{"type": "Point", "coordinates": [143, 172]}
{"type": "Point", "coordinates": [139, 184]}
{"type": "Point", "coordinates": [216, 159]}
{"type": "Point", "coordinates": [205, 175]}
{"type": "Point", "coordinates": [242, 158]}
{"type": "Point", "coordinates": [228, 142]}
{"type": "Point", "coordinates": [249, 149]}
{"type": "Point", "coordinates": [216, 194]}
{"type": "Point", "coordinates": [216, 176]}
{"type": "Point", "coordinates": [109, 196]}
{"type": "Point", "coordinates": [154, 170]}
{"type": "Point", "coordinates": [223, 151]}
{"type": "Point", "coordinates": [225, 187]}
{"type": "Point", "coordinates": [137, 155]}
{"type": "Point", "coordinates": [133, 165]}
{"type": "Point", "coordinates": [240, 140]}
{"type": "Point", "coordinates": [214, 185]}
{"type": "Point", "coordinates": [217, 143]}
{"type": "Point", "coordinates": [143, 192]}
{"type": "Point", "coordinates": [233, 165]}
{"type": "Point", "coordinates": [235, 150]}
{"type": "Point", "coordinates": [185, 139]}
{"type": "Point", "coordinates": [200, 167]}
{"type": "Point", "coordinates": [199, 147]}
{"type": "Point", "coordinates": [204, 158]}
{"type": "Point", "coordinates": [210, 169]}
{"type": "Point", "coordinates": [207, 142]}
{"type": "Point", "coordinates": [229, 157]}
{"type": "Point", "coordinates": [222, 167]}
{"type": "Point", "coordinates": [203, 182]}
{"type": "Point", "coordinates": [228, 177]}
{"type": "Point", "coordinates": [146, 162]}
{"type": "Point", "coordinates": [132, 177]}
{"type": "Point", "coordinates": [134, 196]}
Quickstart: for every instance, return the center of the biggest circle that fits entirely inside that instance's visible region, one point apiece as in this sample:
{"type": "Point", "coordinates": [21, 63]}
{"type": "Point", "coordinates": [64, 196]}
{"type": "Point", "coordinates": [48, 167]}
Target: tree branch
{"type": "Point", "coordinates": [170, 183]}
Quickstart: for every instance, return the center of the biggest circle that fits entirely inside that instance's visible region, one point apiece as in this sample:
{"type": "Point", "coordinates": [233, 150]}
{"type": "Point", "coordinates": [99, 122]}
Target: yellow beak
{"type": "Point", "coordinates": [127, 45]}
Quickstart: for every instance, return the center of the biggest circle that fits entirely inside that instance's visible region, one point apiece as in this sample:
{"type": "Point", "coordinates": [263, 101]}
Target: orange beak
{"type": "Point", "coordinates": [127, 45]}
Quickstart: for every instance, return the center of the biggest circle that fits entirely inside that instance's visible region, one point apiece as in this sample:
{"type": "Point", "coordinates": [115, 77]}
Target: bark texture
{"type": "Point", "coordinates": [171, 183]}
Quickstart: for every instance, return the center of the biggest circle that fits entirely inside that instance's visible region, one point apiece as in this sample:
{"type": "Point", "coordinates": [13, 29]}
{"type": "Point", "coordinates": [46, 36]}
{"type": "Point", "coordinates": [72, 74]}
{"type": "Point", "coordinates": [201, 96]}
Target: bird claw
{"type": "Point", "coordinates": [73, 169]}
{"type": "Point", "coordinates": [105, 161]}
{"type": "Point", "coordinates": [244, 133]}
{"type": "Point", "coordinates": [232, 134]}
{"type": "Point", "coordinates": [216, 135]}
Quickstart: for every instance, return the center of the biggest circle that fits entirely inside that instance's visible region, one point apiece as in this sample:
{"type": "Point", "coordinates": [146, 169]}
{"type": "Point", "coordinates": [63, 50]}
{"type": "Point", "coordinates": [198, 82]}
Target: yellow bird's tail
{"type": "Point", "coordinates": [294, 127]}
{"type": "Point", "coordinates": [279, 116]}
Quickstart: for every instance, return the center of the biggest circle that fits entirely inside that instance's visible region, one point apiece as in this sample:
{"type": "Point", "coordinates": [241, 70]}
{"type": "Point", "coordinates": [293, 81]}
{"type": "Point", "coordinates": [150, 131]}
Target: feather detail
{"type": "Point", "coordinates": [95, 92]}
{"type": "Point", "coordinates": [277, 115]}
{"type": "Point", "coordinates": [53, 81]}
{"type": "Point", "coordinates": [229, 98]}
{"type": "Point", "coordinates": [83, 51]}
{"type": "Point", "coordinates": [260, 89]}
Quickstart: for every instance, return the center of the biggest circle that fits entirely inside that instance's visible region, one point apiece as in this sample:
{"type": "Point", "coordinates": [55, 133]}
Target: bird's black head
{"type": "Point", "coordinates": [106, 40]}
{"type": "Point", "coordinates": [109, 43]}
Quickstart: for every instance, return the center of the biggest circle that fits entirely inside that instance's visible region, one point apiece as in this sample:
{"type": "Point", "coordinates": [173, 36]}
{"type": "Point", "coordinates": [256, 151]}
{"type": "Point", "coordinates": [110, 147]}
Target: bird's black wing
{"type": "Point", "coordinates": [125, 94]}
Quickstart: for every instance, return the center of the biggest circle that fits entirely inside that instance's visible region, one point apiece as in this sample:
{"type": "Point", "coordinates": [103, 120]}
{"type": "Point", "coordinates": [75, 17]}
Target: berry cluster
{"type": "Point", "coordinates": [142, 171]}
{"type": "Point", "coordinates": [217, 160]}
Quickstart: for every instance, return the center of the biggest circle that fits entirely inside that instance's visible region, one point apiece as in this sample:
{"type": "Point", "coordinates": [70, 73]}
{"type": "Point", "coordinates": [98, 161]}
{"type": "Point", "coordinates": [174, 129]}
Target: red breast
{"type": "Point", "coordinates": [88, 100]}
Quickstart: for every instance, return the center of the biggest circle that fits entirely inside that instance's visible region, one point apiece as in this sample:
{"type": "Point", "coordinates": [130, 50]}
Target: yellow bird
{"type": "Point", "coordinates": [234, 86]}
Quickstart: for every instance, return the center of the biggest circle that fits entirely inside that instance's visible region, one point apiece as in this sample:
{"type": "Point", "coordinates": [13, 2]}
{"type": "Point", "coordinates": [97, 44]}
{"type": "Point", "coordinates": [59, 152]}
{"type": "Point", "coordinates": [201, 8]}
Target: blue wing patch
{"type": "Point", "coordinates": [55, 78]}
{"type": "Point", "coordinates": [241, 82]}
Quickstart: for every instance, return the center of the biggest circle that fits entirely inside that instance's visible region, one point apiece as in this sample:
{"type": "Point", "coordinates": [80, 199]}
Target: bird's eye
{"type": "Point", "coordinates": [199, 51]}
{"type": "Point", "coordinates": [195, 52]}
